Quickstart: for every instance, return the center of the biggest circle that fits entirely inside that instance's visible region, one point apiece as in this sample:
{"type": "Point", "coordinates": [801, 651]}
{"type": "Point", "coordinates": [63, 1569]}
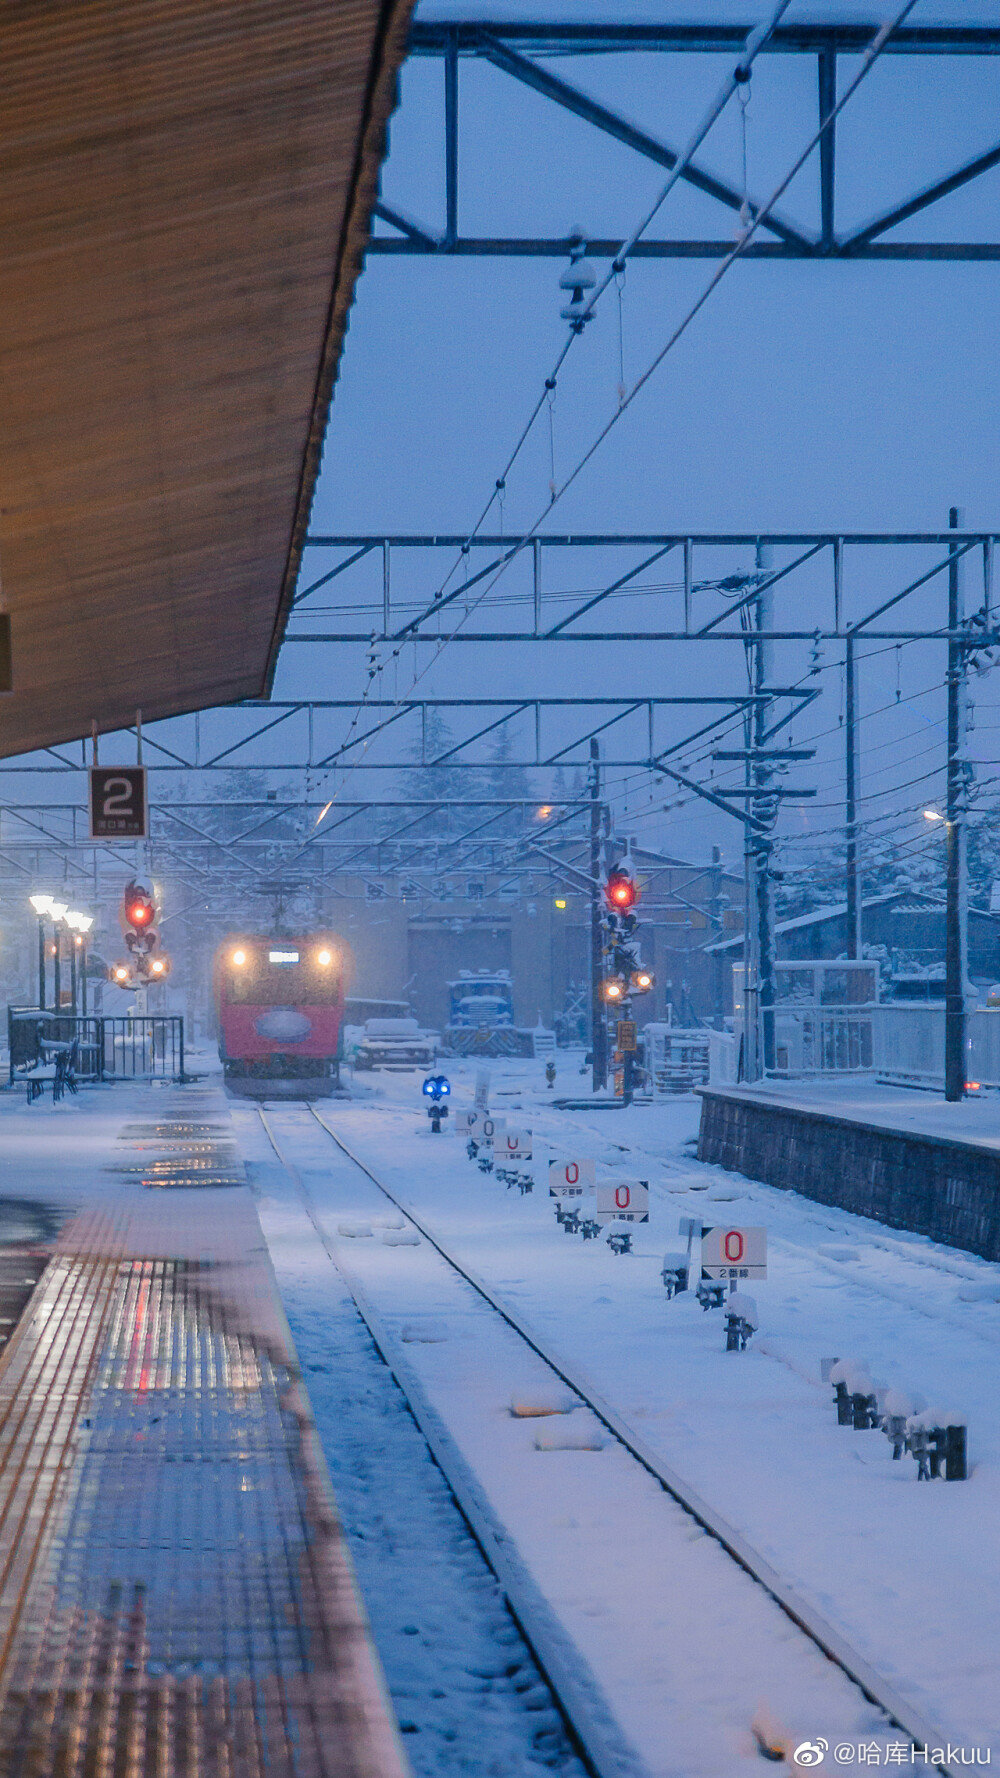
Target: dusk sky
{"type": "Point", "coordinates": [833, 396]}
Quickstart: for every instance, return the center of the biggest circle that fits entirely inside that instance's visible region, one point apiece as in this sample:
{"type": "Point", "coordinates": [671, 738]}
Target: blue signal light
{"type": "Point", "coordinates": [437, 1086]}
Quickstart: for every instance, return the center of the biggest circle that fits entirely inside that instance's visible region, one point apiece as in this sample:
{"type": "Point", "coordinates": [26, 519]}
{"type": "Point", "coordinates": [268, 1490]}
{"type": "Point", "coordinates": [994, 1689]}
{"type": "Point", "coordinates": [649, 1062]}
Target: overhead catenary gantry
{"type": "Point", "coordinates": [524, 51]}
{"type": "Point", "coordinates": [822, 563]}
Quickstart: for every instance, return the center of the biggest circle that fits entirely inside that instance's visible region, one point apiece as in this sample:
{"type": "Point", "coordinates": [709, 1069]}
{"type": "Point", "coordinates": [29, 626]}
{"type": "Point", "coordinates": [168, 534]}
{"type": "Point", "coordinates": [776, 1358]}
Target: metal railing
{"type": "Point", "coordinates": [149, 1046]}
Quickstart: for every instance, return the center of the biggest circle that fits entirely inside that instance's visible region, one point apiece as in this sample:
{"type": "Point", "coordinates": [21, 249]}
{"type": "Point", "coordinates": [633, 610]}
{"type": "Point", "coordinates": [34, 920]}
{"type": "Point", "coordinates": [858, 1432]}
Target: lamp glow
{"type": "Point", "coordinates": [324, 958]}
{"type": "Point", "coordinates": [42, 904]}
{"type": "Point", "coordinates": [933, 815]}
{"type": "Point", "coordinates": [239, 958]}
{"type": "Point", "coordinates": [58, 910]}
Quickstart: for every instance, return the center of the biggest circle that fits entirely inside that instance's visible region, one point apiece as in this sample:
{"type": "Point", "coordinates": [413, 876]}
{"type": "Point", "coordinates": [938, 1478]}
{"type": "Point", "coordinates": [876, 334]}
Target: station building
{"type": "Point", "coordinates": [412, 935]}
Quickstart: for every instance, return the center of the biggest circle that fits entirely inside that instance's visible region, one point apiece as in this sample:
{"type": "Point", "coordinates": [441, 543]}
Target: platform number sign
{"type": "Point", "coordinates": [512, 1145]}
{"type": "Point", "coordinates": [118, 807]}
{"type": "Point", "coordinates": [623, 1200]}
{"type": "Point", "coordinates": [570, 1179]}
{"type": "Point", "coordinates": [734, 1253]}
{"type": "Point", "coordinates": [480, 1125]}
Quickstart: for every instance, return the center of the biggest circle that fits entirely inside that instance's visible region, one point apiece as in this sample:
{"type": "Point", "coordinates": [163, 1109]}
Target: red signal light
{"type": "Point", "coordinates": [139, 913]}
{"type": "Point", "coordinates": [620, 891]}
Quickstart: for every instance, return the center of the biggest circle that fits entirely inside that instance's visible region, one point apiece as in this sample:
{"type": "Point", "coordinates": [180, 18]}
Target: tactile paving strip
{"type": "Point", "coordinates": [175, 1597]}
{"type": "Point", "coordinates": [182, 1153]}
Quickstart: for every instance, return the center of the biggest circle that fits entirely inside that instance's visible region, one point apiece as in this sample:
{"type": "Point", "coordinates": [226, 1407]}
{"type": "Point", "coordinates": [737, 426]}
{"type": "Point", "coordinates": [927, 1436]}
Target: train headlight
{"type": "Point", "coordinates": [324, 958]}
{"type": "Point", "coordinates": [239, 958]}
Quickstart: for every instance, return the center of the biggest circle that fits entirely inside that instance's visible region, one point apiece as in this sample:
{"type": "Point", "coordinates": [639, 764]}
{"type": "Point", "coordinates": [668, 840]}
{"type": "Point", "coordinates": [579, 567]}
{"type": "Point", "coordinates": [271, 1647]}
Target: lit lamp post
{"type": "Point", "coordinates": [42, 905]}
{"type": "Point", "coordinates": [57, 913]}
{"type": "Point", "coordinates": [79, 925]}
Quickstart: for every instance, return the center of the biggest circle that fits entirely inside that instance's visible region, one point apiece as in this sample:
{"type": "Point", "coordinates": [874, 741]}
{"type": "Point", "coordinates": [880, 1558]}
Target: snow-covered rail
{"type": "Point", "coordinates": [603, 1751]}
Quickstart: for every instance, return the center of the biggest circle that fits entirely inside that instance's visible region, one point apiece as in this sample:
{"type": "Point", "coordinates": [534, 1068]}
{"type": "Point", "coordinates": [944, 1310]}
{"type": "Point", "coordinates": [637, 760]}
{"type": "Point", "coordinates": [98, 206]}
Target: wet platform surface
{"type": "Point", "coordinates": [175, 1596]}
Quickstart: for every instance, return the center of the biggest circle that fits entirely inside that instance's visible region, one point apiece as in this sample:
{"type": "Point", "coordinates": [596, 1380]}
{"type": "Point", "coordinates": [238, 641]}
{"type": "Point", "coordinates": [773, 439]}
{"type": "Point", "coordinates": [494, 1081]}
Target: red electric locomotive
{"type": "Point", "coordinates": [281, 1008]}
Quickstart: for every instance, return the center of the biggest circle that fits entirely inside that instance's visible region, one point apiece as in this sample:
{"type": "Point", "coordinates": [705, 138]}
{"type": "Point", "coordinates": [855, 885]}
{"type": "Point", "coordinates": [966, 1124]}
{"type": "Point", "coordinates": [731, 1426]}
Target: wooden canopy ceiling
{"type": "Point", "coordinates": [184, 207]}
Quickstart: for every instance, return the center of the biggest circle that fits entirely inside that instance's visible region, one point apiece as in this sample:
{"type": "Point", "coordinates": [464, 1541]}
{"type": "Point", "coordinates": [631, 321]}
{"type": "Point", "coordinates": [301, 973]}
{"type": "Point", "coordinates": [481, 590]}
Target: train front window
{"type": "Point", "coordinates": [281, 978]}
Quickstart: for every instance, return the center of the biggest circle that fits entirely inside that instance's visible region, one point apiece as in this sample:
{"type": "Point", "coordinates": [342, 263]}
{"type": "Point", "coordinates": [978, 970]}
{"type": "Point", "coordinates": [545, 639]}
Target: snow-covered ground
{"type": "Point", "coordinates": [903, 1570]}
{"type": "Point", "coordinates": [897, 1565]}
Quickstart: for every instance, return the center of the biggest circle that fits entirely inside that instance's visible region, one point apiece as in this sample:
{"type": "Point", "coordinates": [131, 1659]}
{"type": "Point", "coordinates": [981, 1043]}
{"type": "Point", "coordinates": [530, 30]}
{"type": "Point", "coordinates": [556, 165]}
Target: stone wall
{"type": "Point", "coordinates": [934, 1185]}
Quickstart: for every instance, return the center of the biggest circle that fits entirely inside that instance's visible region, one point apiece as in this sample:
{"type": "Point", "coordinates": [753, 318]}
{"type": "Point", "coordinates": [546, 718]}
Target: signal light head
{"type": "Point", "coordinates": [643, 980]}
{"type": "Point", "coordinates": [120, 972]}
{"type": "Point", "coordinates": [324, 958]}
{"type": "Point", "coordinates": [158, 966]}
{"type": "Point", "coordinates": [614, 988]}
{"type": "Point", "coordinates": [139, 913]}
{"type": "Point", "coordinates": [239, 958]}
{"type": "Point", "coordinates": [620, 891]}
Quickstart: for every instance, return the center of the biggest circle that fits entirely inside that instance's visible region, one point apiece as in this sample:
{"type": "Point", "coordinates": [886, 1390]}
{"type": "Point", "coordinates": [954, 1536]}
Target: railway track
{"type": "Point", "coordinates": [906, 1294]}
{"type": "Point", "coordinates": [600, 1748]}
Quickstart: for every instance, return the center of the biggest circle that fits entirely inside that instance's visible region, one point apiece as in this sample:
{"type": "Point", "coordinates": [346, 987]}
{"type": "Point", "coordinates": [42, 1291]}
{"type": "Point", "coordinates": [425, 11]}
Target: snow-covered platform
{"type": "Point", "coordinates": [175, 1592]}
{"type": "Point", "coordinates": [902, 1157]}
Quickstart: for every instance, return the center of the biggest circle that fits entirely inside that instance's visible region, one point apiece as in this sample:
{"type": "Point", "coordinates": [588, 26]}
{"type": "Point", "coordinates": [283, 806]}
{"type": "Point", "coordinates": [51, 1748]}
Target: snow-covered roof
{"type": "Point", "coordinates": [918, 899]}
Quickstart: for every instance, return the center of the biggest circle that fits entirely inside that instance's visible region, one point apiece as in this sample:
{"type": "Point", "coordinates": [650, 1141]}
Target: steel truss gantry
{"type": "Point", "coordinates": [521, 51]}
{"type": "Point", "coordinates": [669, 609]}
{"type": "Point", "coordinates": [255, 843]}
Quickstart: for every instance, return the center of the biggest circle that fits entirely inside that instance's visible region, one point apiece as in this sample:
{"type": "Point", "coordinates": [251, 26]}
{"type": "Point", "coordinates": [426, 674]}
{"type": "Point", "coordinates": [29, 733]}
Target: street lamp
{"type": "Point", "coordinates": [79, 925]}
{"type": "Point", "coordinates": [934, 815]}
{"type": "Point", "coordinates": [42, 905]}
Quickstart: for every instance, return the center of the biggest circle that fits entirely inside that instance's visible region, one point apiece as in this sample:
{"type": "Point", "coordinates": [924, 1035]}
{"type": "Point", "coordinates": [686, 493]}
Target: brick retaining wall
{"type": "Point", "coordinates": [934, 1185]}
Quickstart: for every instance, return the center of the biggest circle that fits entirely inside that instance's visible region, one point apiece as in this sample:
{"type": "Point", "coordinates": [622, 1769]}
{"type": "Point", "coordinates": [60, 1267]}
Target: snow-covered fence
{"type": "Point", "coordinates": [909, 1045]}
{"type": "Point", "coordinates": [723, 1058]}
{"type": "Point", "coordinates": [822, 1040]}
{"type": "Point", "coordinates": [676, 1060]}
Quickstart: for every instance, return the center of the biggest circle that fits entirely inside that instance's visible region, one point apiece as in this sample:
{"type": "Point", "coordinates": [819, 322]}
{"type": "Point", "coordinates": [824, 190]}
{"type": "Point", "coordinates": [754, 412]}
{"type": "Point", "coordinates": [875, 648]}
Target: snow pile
{"type": "Point", "coordinates": [354, 1230]}
{"type": "Point", "coordinates": [400, 1238]}
{"type": "Point", "coordinates": [744, 1306]}
{"type": "Point", "coordinates": [896, 1405]}
{"type": "Point", "coordinates": [980, 1293]}
{"type": "Point", "coordinates": [581, 1433]}
{"type": "Point", "coordinates": [931, 1419]}
{"type": "Point", "coordinates": [531, 1404]}
{"type": "Point", "coordinates": [424, 1333]}
{"type": "Point", "coordinates": [391, 1221]}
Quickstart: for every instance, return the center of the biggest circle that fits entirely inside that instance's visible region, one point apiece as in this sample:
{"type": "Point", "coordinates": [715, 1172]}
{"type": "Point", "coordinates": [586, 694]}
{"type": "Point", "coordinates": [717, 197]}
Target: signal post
{"type": "Point", "coordinates": [625, 975]}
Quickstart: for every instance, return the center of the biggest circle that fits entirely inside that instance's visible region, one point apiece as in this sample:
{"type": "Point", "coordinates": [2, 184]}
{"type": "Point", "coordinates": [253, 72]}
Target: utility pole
{"type": "Point", "coordinates": [956, 969]}
{"type": "Point", "coordinates": [598, 1024]}
{"type": "Point", "coordinates": [851, 778]}
{"type": "Point", "coordinates": [717, 923]}
{"type": "Point", "coordinates": [760, 843]}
